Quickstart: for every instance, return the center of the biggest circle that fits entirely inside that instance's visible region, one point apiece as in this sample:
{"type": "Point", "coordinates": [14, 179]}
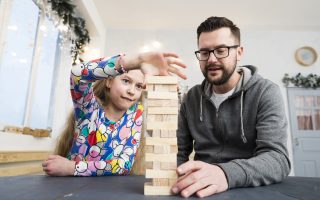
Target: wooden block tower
{"type": "Point", "coordinates": [161, 123]}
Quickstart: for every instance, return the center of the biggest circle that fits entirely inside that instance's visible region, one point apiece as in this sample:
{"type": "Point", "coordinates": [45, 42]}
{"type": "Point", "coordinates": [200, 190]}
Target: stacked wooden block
{"type": "Point", "coordinates": [161, 118]}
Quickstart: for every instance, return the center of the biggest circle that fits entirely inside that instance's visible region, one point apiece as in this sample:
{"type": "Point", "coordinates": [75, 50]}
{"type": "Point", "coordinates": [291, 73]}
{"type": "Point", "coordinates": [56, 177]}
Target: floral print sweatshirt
{"type": "Point", "coordinates": [101, 147]}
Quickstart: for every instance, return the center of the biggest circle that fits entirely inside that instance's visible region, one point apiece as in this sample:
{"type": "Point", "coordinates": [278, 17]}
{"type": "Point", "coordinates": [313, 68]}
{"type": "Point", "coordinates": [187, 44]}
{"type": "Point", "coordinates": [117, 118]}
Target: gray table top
{"type": "Point", "coordinates": [131, 187]}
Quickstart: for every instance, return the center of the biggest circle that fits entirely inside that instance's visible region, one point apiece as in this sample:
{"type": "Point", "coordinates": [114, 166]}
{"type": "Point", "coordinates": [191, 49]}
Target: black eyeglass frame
{"type": "Point", "coordinates": [214, 50]}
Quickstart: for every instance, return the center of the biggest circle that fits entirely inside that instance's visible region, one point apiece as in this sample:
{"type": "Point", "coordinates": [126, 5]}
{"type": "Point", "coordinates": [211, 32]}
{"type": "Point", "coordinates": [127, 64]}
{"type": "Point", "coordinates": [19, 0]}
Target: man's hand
{"type": "Point", "coordinates": [58, 166]}
{"type": "Point", "coordinates": [201, 178]}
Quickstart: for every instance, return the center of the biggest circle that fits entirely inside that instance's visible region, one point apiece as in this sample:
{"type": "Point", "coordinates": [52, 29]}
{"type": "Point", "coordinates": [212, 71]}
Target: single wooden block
{"type": "Point", "coordinates": [173, 88]}
{"type": "Point", "coordinates": [156, 133]}
{"type": "Point", "coordinates": [168, 133]}
{"type": "Point", "coordinates": [168, 165]}
{"type": "Point", "coordinates": [163, 110]}
{"type": "Point", "coordinates": [160, 182]}
{"type": "Point", "coordinates": [159, 149]}
{"type": "Point", "coordinates": [162, 102]}
{"type": "Point", "coordinates": [162, 95]}
{"type": "Point", "coordinates": [149, 189]}
{"type": "Point", "coordinates": [162, 125]}
{"type": "Point", "coordinates": [171, 118]}
{"type": "Point", "coordinates": [161, 80]}
{"type": "Point", "coordinates": [149, 165]}
{"type": "Point", "coordinates": [149, 87]}
{"type": "Point", "coordinates": [155, 173]}
{"type": "Point", "coordinates": [170, 157]}
{"type": "Point", "coordinates": [154, 118]}
{"type": "Point", "coordinates": [148, 149]}
{"type": "Point", "coordinates": [173, 149]}
{"type": "Point", "coordinates": [156, 165]}
{"type": "Point", "coordinates": [161, 141]}
{"type": "Point", "coordinates": [165, 88]}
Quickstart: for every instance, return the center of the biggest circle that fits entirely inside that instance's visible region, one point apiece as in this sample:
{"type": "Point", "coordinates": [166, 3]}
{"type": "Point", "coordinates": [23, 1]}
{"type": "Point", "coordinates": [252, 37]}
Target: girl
{"type": "Point", "coordinates": [104, 131]}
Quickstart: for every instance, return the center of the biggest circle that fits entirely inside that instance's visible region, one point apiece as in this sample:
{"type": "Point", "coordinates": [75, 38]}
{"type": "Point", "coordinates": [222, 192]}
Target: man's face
{"type": "Point", "coordinates": [219, 70]}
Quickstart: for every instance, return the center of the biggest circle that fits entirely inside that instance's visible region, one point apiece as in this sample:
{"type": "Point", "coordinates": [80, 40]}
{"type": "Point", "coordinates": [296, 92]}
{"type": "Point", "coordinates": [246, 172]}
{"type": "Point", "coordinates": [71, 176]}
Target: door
{"type": "Point", "coordinates": [304, 108]}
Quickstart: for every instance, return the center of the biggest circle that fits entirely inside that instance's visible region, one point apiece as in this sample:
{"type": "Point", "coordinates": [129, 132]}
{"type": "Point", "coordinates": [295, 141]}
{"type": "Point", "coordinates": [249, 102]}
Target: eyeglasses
{"type": "Point", "coordinates": [220, 52]}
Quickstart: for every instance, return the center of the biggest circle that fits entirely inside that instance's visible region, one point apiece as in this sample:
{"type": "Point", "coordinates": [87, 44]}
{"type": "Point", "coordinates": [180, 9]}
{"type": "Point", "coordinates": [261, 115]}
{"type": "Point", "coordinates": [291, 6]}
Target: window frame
{"type": "Point", "coordinates": [5, 11]}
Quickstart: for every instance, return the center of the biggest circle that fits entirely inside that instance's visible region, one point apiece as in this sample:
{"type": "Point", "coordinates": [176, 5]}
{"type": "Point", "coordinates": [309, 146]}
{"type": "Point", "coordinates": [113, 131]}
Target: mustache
{"type": "Point", "coordinates": [213, 66]}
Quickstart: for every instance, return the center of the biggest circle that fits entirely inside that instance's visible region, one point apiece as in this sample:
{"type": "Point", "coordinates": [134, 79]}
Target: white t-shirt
{"type": "Point", "coordinates": [219, 98]}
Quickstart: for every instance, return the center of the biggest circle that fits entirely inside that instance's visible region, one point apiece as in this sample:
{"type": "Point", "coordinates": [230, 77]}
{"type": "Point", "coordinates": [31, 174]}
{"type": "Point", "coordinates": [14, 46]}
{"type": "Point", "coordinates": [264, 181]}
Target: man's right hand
{"type": "Point", "coordinates": [201, 178]}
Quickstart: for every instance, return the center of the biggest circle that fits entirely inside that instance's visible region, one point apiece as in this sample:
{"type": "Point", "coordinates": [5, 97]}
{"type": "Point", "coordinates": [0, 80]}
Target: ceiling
{"type": "Point", "coordinates": [188, 14]}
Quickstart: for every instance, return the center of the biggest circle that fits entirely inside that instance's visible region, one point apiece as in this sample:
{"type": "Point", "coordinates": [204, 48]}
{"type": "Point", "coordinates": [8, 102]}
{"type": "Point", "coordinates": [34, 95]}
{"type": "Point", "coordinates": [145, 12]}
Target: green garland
{"type": "Point", "coordinates": [310, 81]}
{"type": "Point", "coordinates": [65, 11]}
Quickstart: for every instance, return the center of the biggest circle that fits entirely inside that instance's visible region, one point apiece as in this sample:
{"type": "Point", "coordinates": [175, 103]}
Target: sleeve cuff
{"type": "Point", "coordinates": [236, 176]}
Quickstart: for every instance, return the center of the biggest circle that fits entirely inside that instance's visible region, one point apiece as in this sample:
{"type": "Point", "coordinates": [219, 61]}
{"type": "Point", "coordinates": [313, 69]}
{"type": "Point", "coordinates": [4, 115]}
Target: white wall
{"type": "Point", "coordinates": [271, 51]}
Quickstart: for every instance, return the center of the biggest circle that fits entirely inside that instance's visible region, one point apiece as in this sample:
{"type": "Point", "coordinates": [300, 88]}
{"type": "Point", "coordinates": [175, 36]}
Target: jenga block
{"type": "Point", "coordinates": [158, 149]}
{"type": "Point", "coordinates": [172, 182]}
{"type": "Point", "coordinates": [154, 118]}
{"type": "Point", "coordinates": [173, 149]}
{"type": "Point", "coordinates": [161, 141]}
{"type": "Point", "coordinates": [162, 102]}
{"type": "Point", "coordinates": [148, 149]}
{"type": "Point", "coordinates": [162, 88]}
{"type": "Point", "coordinates": [168, 133]}
{"type": "Point", "coordinates": [163, 110]}
{"type": "Point", "coordinates": [173, 88]}
{"type": "Point", "coordinates": [161, 80]}
{"type": "Point", "coordinates": [162, 125]}
{"type": "Point", "coordinates": [160, 182]}
{"type": "Point", "coordinates": [162, 95]}
{"type": "Point", "coordinates": [172, 118]}
{"type": "Point", "coordinates": [156, 165]}
{"type": "Point", "coordinates": [168, 165]}
{"type": "Point", "coordinates": [156, 133]}
{"type": "Point", "coordinates": [170, 157]}
{"type": "Point", "coordinates": [149, 189]}
{"type": "Point", "coordinates": [149, 165]}
{"type": "Point", "coordinates": [150, 173]}
{"type": "Point", "coordinates": [149, 87]}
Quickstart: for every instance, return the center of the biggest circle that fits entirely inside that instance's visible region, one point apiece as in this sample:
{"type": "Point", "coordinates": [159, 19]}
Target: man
{"type": "Point", "coordinates": [235, 120]}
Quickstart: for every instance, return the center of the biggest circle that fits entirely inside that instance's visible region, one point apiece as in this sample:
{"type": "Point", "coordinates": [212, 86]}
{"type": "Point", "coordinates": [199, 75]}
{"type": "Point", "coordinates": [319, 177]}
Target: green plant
{"type": "Point", "coordinates": [310, 81]}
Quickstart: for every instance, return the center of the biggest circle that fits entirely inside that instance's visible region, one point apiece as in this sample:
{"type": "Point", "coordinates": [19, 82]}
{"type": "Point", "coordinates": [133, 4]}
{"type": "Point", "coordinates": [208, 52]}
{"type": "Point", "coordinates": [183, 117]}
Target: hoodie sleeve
{"type": "Point", "coordinates": [185, 140]}
{"type": "Point", "coordinates": [270, 163]}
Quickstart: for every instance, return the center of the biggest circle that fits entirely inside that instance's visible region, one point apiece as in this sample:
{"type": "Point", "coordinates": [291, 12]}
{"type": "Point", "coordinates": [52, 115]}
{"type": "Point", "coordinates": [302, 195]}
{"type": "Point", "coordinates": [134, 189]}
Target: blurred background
{"type": "Point", "coordinates": [40, 40]}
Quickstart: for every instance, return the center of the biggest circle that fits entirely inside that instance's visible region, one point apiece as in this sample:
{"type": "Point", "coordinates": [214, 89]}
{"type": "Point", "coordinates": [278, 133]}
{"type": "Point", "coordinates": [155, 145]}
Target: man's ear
{"type": "Point", "coordinates": [239, 53]}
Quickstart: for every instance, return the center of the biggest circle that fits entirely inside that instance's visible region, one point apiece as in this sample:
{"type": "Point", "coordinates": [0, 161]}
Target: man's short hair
{"type": "Point", "coordinates": [214, 23]}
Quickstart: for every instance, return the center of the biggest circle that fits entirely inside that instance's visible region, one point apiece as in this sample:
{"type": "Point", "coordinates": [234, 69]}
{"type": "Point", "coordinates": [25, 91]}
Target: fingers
{"type": "Point", "coordinates": [176, 62]}
{"type": "Point", "coordinates": [51, 157]}
{"type": "Point", "coordinates": [170, 55]}
{"type": "Point", "coordinates": [210, 190]}
{"type": "Point", "coordinates": [177, 72]}
{"type": "Point", "coordinates": [189, 166]}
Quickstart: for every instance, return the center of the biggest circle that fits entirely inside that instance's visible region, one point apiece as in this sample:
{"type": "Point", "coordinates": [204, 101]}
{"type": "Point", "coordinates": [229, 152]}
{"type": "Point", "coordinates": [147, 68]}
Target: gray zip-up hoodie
{"type": "Point", "coordinates": [246, 137]}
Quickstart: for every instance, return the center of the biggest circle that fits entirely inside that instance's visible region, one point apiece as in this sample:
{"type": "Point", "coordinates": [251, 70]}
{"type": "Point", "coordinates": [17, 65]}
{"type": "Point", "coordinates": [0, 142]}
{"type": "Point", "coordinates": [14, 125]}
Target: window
{"type": "Point", "coordinates": [28, 57]}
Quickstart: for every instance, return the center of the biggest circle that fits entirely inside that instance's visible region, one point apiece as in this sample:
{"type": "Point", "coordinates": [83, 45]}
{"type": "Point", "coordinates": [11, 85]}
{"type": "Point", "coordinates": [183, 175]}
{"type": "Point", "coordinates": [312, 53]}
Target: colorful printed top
{"type": "Point", "coordinates": [101, 147]}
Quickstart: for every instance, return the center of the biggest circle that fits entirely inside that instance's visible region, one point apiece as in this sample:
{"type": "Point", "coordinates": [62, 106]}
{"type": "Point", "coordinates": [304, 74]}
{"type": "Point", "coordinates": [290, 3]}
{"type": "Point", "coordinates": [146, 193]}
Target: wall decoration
{"type": "Point", "coordinates": [306, 56]}
{"type": "Point", "coordinates": [310, 81]}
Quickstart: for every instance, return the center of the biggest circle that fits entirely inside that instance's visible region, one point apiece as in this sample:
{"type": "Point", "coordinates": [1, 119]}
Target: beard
{"type": "Point", "coordinates": [226, 74]}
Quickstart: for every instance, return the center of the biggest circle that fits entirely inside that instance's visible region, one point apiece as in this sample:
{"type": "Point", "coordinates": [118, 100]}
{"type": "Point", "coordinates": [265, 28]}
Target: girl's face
{"type": "Point", "coordinates": [125, 90]}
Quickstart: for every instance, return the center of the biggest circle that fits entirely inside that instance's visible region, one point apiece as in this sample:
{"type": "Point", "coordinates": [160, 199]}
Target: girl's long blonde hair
{"type": "Point", "coordinates": [67, 136]}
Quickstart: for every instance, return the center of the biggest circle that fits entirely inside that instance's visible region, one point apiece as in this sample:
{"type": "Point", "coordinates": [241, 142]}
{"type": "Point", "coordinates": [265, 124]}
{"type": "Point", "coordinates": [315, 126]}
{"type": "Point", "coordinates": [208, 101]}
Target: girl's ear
{"type": "Point", "coordinates": [108, 83]}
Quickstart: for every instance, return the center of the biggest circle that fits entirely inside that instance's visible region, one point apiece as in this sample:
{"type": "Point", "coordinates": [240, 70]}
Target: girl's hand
{"type": "Point", "coordinates": [155, 63]}
{"type": "Point", "coordinates": [57, 165]}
